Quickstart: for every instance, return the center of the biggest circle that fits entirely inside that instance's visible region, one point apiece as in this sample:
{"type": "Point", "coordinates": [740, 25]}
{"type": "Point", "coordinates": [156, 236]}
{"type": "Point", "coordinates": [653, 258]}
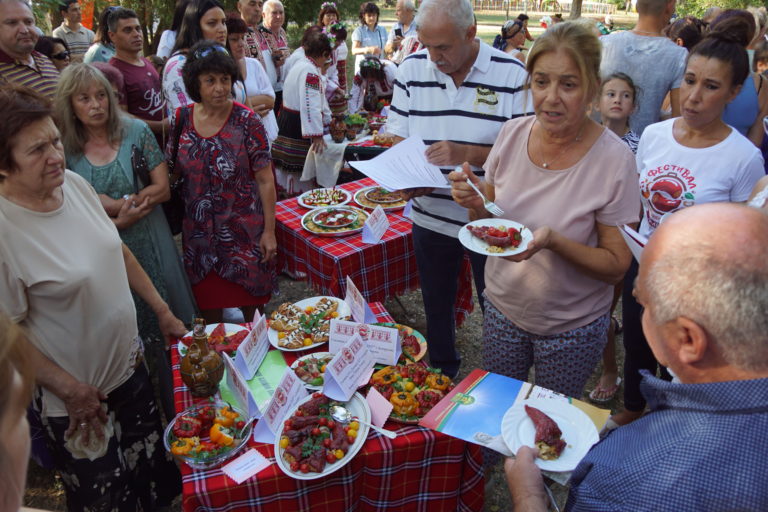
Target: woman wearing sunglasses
{"type": "Point", "coordinates": [220, 150]}
{"type": "Point", "coordinates": [55, 49]}
{"type": "Point", "coordinates": [204, 20]}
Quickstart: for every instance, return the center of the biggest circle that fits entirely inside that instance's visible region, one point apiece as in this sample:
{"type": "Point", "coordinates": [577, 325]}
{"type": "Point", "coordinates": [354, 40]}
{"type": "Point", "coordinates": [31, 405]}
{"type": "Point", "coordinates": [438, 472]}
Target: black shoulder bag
{"type": "Point", "coordinates": [174, 207]}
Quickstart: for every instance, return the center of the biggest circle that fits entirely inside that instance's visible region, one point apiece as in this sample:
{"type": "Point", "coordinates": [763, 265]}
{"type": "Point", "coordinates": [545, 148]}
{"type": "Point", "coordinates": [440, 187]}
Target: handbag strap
{"type": "Point", "coordinates": [181, 118]}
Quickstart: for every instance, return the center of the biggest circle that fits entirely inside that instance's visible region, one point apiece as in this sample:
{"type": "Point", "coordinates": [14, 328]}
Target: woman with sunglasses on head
{"type": "Point", "coordinates": [102, 48]}
{"type": "Point", "coordinates": [511, 39]}
{"type": "Point", "coordinates": [222, 154]}
{"type": "Point", "coordinates": [55, 49]}
{"type": "Point", "coordinates": [305, 113]}
{"type": "Point", "coordinates": [370, 37]}
{"type": "Point", "coordinates": [204, 20]}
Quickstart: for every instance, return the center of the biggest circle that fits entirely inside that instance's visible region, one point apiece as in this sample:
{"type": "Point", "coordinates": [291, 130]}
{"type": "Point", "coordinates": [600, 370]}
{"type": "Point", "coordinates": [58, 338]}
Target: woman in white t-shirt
{"type": "Point", "coordinates": [571, 182]}
{"type": "Point", "coordinates": [692, 159]}
{"type": "Point", "coordinates": [370, 37]}
{"type": "Point", "coordinates": [254, 89]}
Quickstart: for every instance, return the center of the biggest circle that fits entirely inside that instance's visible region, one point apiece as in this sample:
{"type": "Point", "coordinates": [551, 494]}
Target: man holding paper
{"type": "Point", "coordinates": [700, 446]}
{"type": "Point", "coordinates": [455, 94]}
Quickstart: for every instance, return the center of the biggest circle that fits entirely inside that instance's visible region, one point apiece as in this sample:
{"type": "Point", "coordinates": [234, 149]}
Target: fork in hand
{"type": "Point", "coordinates": [492, 207]}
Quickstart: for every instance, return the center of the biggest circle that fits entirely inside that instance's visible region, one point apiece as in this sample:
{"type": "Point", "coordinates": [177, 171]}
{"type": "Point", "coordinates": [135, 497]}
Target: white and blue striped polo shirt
{"type": "Point", "coordinates": [428, 104]}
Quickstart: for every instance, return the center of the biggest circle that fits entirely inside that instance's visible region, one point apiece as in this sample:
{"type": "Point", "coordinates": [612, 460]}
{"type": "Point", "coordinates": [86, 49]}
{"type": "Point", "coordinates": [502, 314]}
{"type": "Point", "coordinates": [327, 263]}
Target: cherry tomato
{"type": "Point", "coordinates": [315, 432]}
{"type": "Point", "coordinates": [299, 413]}
{"type": "Point", "coordinates": [330, 458]}
{"type": "Point", "coordinates": [240, 424]}
{"type": "Point", "coordinates": [323, 421]}
{"type": "Point", "coordinates": [302, 363]}
{"type": "Point", "coordinates": [331, 424]}
{"type": "Point", "coordinates": [304, 468]}
{"type": "Point", "coordinates": [295, 465]}
{"type": "Point", "coordinates": [317, 395]}
{"type": "Point", "coordinates": [327, 442]}
{"type": "Point", "coordinates": [350, 440]}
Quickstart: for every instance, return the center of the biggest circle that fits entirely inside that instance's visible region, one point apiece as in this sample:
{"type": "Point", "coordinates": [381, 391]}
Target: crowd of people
{"type": "Point", "coordinates": [106, 154]}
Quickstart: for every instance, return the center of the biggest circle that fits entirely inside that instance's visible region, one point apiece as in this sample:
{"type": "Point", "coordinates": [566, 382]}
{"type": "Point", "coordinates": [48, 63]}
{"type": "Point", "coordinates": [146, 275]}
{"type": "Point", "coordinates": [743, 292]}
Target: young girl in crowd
{"type": "Point", "coordinates": [618, 97]}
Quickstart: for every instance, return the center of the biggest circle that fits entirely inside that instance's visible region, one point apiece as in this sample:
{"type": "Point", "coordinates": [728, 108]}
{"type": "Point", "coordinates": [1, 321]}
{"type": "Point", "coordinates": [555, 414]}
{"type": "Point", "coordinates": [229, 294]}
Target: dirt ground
{"type": "Point", "coordinates": [44, 489]}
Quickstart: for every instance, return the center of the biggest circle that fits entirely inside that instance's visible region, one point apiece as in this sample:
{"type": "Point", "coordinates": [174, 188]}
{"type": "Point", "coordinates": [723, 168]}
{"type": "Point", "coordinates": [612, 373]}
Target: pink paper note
{"type": "Point", "coordinates": [380, 407]}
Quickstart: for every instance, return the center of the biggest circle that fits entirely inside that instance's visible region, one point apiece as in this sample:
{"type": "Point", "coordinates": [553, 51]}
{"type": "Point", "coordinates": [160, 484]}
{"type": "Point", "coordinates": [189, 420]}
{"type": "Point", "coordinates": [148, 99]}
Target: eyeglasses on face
{"type": "Point", "coordinates": [61, 55]}
{"type": "Point", "coordinates": [204, 52]}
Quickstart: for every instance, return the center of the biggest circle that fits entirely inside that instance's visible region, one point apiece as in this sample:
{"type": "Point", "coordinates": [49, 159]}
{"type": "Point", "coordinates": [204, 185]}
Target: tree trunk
{"type": "Point", "coordinates": [575, 9]}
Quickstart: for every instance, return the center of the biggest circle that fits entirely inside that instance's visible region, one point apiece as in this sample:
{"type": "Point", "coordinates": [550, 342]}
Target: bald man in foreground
{"type": "Point", "coordinates": [703, 282]}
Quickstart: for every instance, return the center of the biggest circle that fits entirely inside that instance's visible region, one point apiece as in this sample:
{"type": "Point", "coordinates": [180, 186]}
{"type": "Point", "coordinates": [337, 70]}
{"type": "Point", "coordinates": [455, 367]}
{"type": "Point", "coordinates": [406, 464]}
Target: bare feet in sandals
{"type": "Point", "coordinates": [606, 388]}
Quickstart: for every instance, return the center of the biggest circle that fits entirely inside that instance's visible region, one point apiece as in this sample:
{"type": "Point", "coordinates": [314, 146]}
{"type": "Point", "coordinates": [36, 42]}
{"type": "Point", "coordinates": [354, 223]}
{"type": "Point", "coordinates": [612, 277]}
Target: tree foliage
{"type": "Point", "coordinates": [697, 7]}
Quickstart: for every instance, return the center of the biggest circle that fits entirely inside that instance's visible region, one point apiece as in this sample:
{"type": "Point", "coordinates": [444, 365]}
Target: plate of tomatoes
{"type": "Point", "coordinates": [413, 389]}
{"type": "Point", "coordinates": [495, 237]}
{"type": "Point", "coordinates": [223, 338]}
{"type": "Point", "coordinates": [312, 444]}
{"type": "Point", "coordinates": [207, 434]}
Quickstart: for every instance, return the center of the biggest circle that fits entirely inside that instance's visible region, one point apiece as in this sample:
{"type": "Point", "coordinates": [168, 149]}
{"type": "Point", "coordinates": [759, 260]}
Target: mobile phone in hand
{"type": "Point", "coordinates": [399, 32]}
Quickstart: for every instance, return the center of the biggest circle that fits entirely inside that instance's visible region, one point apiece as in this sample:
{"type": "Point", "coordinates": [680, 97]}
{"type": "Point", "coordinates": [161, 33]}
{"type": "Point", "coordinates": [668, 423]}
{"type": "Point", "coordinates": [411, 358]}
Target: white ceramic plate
{"type": "Point", "coordinates": [343, 310]}
{"type": "Point", "coordinates": [330, 232]}
{"type": "Point", "coordinates": [473, 243]}
{"type": "Point", "coordinates": [578, 430]}
{"type": "Point", "coordinates": [231, 329]}
{"type": "Point", "coordinates": [302, 197]}
{"type": "Point", "coordinates": [316, 355]}
{"type": "Point", "coordinates": [358, 407]}
{"type": "Point", "coordinates": [362, 200]}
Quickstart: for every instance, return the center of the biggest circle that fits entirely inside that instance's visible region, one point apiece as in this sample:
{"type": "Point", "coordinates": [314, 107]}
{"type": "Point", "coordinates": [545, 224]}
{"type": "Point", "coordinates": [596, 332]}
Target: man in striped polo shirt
{"type": "Point", "coordinates": [19, 63]}
{"type": "Point", "coordinates": [78, 37]}
{"type": "Point", "coordinates": [455, 94]}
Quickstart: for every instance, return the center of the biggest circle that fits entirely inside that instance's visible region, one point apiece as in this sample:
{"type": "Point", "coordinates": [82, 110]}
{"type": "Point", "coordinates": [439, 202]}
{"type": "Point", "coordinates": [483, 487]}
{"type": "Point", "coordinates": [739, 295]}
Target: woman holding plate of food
{"type": "Point", "coordinates": [571, 182]}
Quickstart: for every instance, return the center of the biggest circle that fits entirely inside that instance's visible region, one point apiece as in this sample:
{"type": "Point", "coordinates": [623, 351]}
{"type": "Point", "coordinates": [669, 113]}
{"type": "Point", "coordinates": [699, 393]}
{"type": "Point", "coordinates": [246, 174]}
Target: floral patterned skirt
{"type": "Point", "coordinates": [136, 473]}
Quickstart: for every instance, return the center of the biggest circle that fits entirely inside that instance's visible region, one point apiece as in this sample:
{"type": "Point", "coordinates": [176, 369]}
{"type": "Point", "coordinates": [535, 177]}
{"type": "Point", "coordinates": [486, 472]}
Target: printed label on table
{"type": "Point", "coordinates": [361, 311]}
{"type": "Point", "coordinates": [382, 342]}
{"type": "Point", "coordinates": [375, 226]}
{"type": "Point", "coordinates": [408, 210]}
{"type": "Point", "coordinates": [345, 371]}
{"type": "Point", "coordinates": [252, 350]}
{"type": "Point", "coordinates": [239, 388]}
{"type": "Point", "coordinates": [288, 394]}
{"type": "Point", "coordinates": [245, 466]}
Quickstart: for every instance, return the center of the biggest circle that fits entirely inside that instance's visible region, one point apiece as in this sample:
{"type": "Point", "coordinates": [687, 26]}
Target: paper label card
{"type": "Point", "coordinates": [375, 226]}
{"type": "Point", "coordinates": [408, 210]}
{"type": "Point", "coordinates": [361, 311]}
{"type": "Point", "coordinates": [344, 372]}
{"type": "Point", "coordinates": [252, 350]}
{"type": "Point", "coordinates": [239, 388]}
{"type": "Point", "coordinates": [383, 342]}
{"type": "Point", "coordinates": [245, 466]}
{"type": "Point", "coordinates": [380, 407]}
{"type": "Point", "coordinates": [288, 394]}
{"type": "Point", "coordinates": [634, 240]}
{"type": "Point", "coordinates": [256, 316]}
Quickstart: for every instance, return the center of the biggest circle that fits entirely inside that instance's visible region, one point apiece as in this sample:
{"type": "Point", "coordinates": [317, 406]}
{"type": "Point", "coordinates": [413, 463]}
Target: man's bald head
{"type": "Point", "coordinates": [708, 263]}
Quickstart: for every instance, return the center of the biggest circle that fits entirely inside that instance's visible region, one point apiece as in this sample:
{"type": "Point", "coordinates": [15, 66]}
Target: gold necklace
{"type": "Point", "coordinates": [545, 164]}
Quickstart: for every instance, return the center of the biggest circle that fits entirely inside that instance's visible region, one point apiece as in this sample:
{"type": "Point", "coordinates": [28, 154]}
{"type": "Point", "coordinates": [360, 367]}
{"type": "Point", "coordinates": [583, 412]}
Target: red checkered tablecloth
{"type": "Point", "coordinates": [421, 470]}
{"type": "Point", "coordinates": [380, 271]}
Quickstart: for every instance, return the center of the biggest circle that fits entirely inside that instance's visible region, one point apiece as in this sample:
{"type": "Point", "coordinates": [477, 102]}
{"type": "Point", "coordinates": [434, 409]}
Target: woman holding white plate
{"type": "Point", "coordinates": [571, 182]}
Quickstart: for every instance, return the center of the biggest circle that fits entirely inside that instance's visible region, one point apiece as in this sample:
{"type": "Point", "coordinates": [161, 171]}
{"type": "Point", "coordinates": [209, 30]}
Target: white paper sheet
{"type": "Point", "coordinates": [404, 165]}
{"type": "Point", "coordinates": [634, 240]}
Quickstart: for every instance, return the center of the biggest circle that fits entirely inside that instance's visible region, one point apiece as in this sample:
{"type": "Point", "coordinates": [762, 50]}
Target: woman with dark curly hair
{"type": "Point", "coordinates": [370, 37]}
{"type": "Point", "coordinates": [220, 149]}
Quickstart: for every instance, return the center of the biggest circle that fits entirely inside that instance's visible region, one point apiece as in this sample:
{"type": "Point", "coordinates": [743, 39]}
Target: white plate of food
{"type": "Point", "coordinates": [290, 459]}
{"type": "Point", "coordinates": [322, 197]}
{"type": "Point", "coordinates": [577, 431]}
{"type": "Point", "coordinates": [311, 369]}
{"type": "Point", "coordinates": [292, 324]}
{"type": "Point", "coordinates": [495, 237]}
{"type": "Point", "coordinates": [347, 219]}
{"type": "Point", "coordinates": [371, 197]}
{"type": "Point", "coordinates": [231, 330]}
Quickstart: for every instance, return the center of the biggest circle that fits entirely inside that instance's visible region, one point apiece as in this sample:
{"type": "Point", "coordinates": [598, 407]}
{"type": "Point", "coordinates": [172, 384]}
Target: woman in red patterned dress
{"type": "Point", "coordinates": [223, 157]}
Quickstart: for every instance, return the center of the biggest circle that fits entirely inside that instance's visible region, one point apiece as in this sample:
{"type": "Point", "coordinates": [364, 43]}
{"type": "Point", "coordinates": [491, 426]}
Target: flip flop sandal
{"type": "Point", "coordinates": [611, 392]}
